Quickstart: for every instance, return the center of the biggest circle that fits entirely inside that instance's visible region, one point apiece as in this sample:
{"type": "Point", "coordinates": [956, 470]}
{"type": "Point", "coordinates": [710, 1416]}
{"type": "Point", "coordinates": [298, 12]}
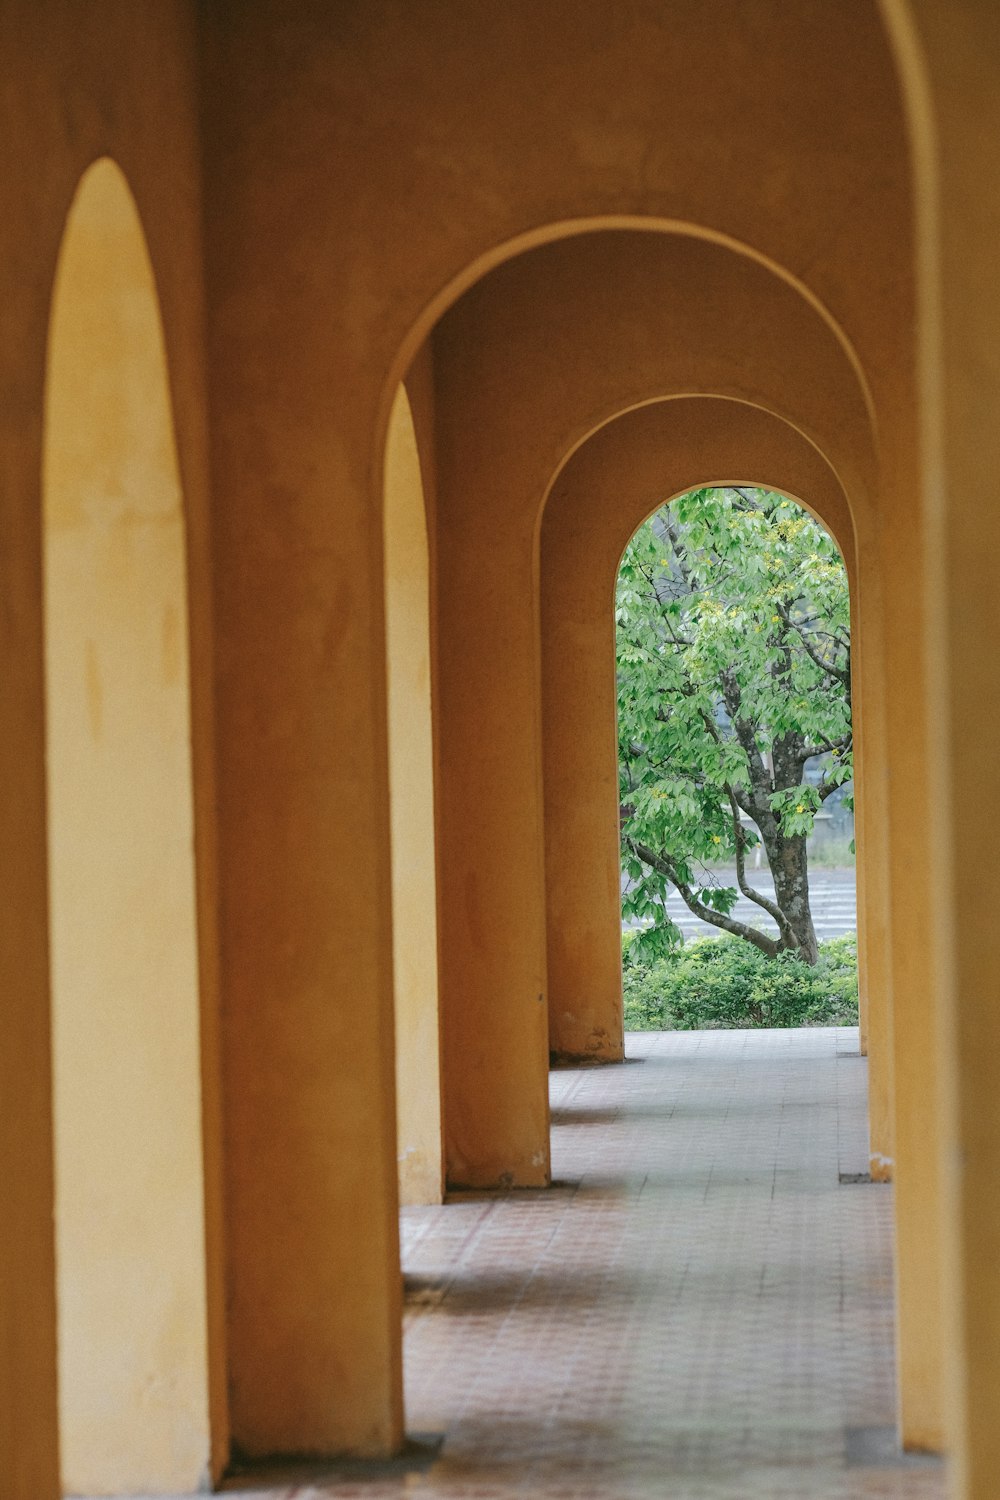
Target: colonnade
{"type": "Point", "coordinates": [353, 666]}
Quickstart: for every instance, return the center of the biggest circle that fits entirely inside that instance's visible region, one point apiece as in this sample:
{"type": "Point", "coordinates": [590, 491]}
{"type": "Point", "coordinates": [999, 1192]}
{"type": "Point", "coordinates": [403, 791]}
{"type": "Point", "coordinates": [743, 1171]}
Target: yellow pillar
{"type": "Point", "coordinates": [130, 1200]}
{"type": "Point", "coordinates": [493, 979]}
{"type": "Point", "coordinates": [411, 786]}
{"type": "Point", "coordinates": [582, 864]}
{"type": "Point", "coordinates": [314, 1305]}
{"type": "Point", "coordinates": [872, 837]}
{"type": "Point", "coordinates": [861, 847]}
{"type": "Point", "coordinates": [949, 60]}
{"type": "Point", "coordinates": [916, 1117]}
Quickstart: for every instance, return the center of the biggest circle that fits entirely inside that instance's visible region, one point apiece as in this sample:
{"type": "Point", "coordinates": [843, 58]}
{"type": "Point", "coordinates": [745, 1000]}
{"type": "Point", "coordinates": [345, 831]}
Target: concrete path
{"type": "Point", "coordinates": [699, 1310]}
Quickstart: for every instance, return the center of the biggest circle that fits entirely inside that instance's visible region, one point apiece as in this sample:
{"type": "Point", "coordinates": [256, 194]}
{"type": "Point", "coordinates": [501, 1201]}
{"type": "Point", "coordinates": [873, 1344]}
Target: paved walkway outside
{"type": "Point", "coordinates": [699, 1310]}
{"type": "Point", "coordinates": [832, 899]}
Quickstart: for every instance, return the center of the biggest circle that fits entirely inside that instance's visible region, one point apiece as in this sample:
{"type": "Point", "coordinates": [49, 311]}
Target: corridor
{"type": "Point", "coordinates": [700, 1308]}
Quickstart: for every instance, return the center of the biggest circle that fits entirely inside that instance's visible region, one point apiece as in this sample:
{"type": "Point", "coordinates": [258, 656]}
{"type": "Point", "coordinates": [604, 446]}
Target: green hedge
{"type": "Point", "coordinates": [725, 983]}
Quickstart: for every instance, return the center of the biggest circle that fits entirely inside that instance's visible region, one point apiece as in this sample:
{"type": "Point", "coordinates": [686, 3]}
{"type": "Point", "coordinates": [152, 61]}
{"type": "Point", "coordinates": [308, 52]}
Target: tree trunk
{"type": "Point", "coordinates": [789, 866]}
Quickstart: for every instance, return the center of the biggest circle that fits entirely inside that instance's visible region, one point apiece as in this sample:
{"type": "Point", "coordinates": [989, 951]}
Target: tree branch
{"type": "Point", "coordinates": [739, 836]}
{"type": "Point", "coordinates": [770, 947]}
{"type": "Point", "coordinates": [679, 551]}
{"type": "Point", "coordinates": [831, 669]}
{"type": "Point", "coordinates": [712, 727]}
{"type": "Point", "coordinates": [760, 777]}
{"type": "Point", "coordinates": [826, 747]}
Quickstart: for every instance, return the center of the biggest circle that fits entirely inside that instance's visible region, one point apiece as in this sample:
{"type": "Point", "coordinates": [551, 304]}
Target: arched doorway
{"type": "Point", "coordinates": [735, 732]}
{"type": "Point", "coordinates": [602, 494]}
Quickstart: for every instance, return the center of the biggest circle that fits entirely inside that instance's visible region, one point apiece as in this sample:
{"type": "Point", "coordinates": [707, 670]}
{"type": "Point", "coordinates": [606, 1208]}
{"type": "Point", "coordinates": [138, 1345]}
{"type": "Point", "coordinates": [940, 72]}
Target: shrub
{"type": "Point", "coordinates": [725, 983]}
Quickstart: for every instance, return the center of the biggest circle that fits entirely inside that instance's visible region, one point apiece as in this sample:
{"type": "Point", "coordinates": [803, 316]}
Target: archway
{"type": "Point", "coordinates": [603, 491]}
{"type": "Point", "coordinates": [303, 379]}
{"type": "Point", "coordinates": [600, 496]}
{"type": "Point", "coordinates": [130, 1235]}
{"type": "Point", "coordinates": [531, 362]}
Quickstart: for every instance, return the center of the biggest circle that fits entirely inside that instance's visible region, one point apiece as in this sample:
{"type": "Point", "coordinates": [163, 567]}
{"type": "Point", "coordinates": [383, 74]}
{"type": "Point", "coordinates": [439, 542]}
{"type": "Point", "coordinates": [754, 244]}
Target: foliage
{"type": "Point", "coordinates": [722, 983]}
{"type": "Point", "coordinates": [733, 675]}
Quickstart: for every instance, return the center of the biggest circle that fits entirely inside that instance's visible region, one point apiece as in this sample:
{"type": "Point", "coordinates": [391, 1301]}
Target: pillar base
{"type": "Point", "coordinates": [596, 1058]}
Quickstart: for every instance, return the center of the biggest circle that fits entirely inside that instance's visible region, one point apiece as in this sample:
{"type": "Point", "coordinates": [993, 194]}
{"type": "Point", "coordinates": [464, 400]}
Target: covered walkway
{"type": "Point", "coordinates": [700, 1308]}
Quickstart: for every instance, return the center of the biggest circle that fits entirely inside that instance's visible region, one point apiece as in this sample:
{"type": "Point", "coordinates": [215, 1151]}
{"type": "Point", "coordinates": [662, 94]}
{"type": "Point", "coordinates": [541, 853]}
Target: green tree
{"type": "Point", "coordinates": [734, 672]}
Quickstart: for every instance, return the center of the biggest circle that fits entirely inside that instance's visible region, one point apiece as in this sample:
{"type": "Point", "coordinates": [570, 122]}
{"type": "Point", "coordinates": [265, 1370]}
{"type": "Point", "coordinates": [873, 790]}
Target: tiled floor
{"type": "Point", "coordinates": [699, 1309]}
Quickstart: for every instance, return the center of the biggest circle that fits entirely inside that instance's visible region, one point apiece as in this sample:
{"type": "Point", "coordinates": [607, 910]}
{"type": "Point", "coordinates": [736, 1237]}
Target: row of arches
{"type": "Point", "coordinates": [132, 1253]}
{"type": "Point", "coordinates": [596, 337]}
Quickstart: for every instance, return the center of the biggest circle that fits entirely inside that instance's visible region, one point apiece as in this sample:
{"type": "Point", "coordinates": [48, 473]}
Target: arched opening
{"type": "Point", "coordinates": [605, 489]}
{"type": "Point", "coordinates": [572, 334]}
{"type": "Point", "coordinates": [735, 750]}
{"type": "Point", "coordinates": [411, 788]}
{"type": "Point", "coordinates": [602, 494]}
{"type": "Point", "coordinates": [130, 1236]}
{"type": "Point", "coordinates": [554, 332]}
